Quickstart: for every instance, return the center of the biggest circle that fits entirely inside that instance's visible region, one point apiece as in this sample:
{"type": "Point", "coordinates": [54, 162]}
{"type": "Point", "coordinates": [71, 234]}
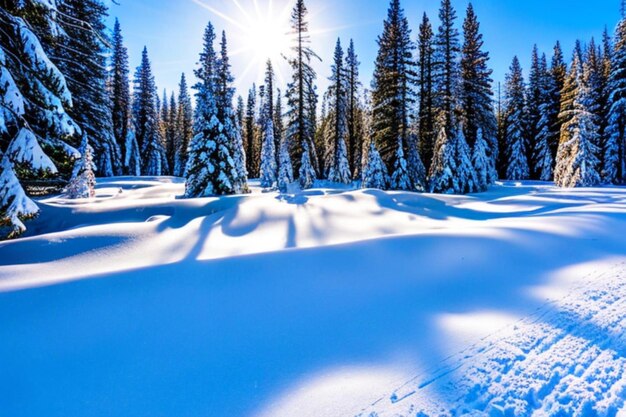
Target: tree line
{"type": "Point", "coordinates": [428, 122]}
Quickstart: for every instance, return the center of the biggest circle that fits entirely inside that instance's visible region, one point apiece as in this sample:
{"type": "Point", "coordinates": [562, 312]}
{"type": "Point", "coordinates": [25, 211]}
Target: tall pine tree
{"type": "Point", "coordinates": [516, 122]}
{"type": "Point", "coordinates": [119, 92]}
{"type": "Point", "coordinates": [427, 114]}
{"type": "Point", "coordinates": [184, 127]}
{"type": "Point", "coordinates": [614, 169]}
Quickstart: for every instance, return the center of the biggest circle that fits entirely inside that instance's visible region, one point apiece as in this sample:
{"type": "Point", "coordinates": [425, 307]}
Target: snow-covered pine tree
{"type": "Point", "coordinates": [146, 119]}
{"type": "Point", "coordinates": [481, 162]}
{"type": "Point", "coordinates": [132, 161]}
{"type": "Point", "coordinates": [83, 182]}
{"type": "Point", "coordinates": [210, 168]}
{"type": "Point", "coordinates": [170, 134]}
{"type": "Point", "coordinates": [354, 112]}
{"type": "Point", "coordinates": [577, 162]}
{"type": "Point", "coordinates": [119, 93]}
{"type": "Point", "coordinates": [393, 94]}
{"type": "Point", "coordinates": [558, 71]}
{"type": "Point", "coordinates": [442, 176]}
{"type": "Point", "coordinates": [534, 96]}
{"type": "Point", "coordinates": [542, 153]}
{"type": "Point", "coordinates": [226, 114]}
{"type": "Point", "coordinates": [476, 93]}
{"type": "Point", "coordinates": [337, 131]}
{"type": "Point", "coordinates": [251, 136]}
{"type": "Point", "coordinates": [446, 66]}
{"type": "Point", "coordinates": [269, 167]}
{"type": "Point", "coordinates": [33, 98]}
{"type": "Point", "coordinates": [465, 173]}
{"type": "Point", "coordinates": [605, 74]}
{"type": "Point", "coordinates": [301, 97]}
{"type": "Point", "coordinates": [374, 170]}
{"type": "Point", "coordinates": [415, 166]}
{"type": "Point", "coordinates": [80, 54]}
{"type": "Point", "coordinates": [400, 174]}
{"type": "Point", "coordinates": [614, 170]}
{"type": "Point", "coordinates": [516, 122]}
{"type": "Point", "coordinates": [279, 127]}
{"type": "Point", "coordinates": [426, 113]}
{"type": "Point", "coordinates": [184, 127]}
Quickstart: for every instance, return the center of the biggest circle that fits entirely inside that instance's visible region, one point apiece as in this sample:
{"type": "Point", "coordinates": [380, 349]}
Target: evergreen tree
{"type": "Point", "coordinates": [534, 97]}
{"type": "Point", "coordinates": [119, 92]}
{"type": "Point", "coordinates": [465, 173]}
{"type": "Point", "coordinates": [427, 113]}
{"type": "Point", "coordinates": [374, 170]}
{"type": "Point", "coordinates": [171, 133]}
{"type": "Point", "coordinates": [354, 111]}
{"type": "Point", "coordinates": [146, 120]}
{"type": "Point", "coordinates": [415, 166]}
{"type": "Point", "coordinates": [33, 98]}
{"type": "Point", "coordinates": [337, 132]}
{"type": "Point", "coordinates": [516, 122]}
{"type": "Point", "coordinates": [481, 162]}
{"type": "Point", "coordinates": [544, 163]}
{"type": "Point", "coordinates": [279, 128]}
{"type": "Point", "coordinates": [80, 54]}
{"type": "Point", "coordinates": [605, 74]}
{"type": "Point", "coordinates": [443, 167]}
{"type": "Point", "coordinates": [558, 71]}
{"type": "Point", "coordinates": [614, 169]}
{"type": "Point", "coordinates": [184, 128]}
{"type": "Point", "coordinates": [210, 166]}
{"type": "Point", "coordinates": [250, 138]}
{"type": "Point", "coordinates": [83, 182]}
{"type": "Point", "coordinates": [476, 92]}
{"type": "Point", "coordinates": [301, 96]}
{"type": "Point", "coordinates": [400, 175]}
{"type": "Point", "coordinates": [577, 162]}
{"type": "Point", "coordinates": [225, 93]}
{"type": "Point", "coordinates": [268, 153]}
{"type": "Point", "coordinates": [393, 92]}
{"type": "Point", "coordinates": [446, 65]}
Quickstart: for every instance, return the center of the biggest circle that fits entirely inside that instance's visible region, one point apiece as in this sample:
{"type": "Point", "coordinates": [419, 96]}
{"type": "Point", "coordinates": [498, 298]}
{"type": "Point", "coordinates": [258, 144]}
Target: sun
{"type": "Point", "coordinates": [258, 31]}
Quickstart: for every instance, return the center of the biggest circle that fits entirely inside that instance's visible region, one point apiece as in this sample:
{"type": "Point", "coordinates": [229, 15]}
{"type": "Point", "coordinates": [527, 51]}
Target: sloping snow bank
{"type": "Point", "coordinates": [316, 304]}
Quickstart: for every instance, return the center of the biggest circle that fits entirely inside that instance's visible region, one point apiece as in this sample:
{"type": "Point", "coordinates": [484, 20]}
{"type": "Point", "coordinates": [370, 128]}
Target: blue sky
{"type": "Point", "coordinates": [172, 30]}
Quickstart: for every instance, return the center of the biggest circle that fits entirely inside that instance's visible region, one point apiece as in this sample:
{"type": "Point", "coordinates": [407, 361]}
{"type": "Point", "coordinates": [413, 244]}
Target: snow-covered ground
{"type": "Point", "coordinates": [328, 303]}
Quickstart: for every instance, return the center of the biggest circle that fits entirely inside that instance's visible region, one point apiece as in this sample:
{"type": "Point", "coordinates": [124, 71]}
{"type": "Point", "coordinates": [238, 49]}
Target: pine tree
{"type": "Point", "coordinates": [337, 132]}
{"type": "Point", "coordinates": [374, 170]}
{"type": "Point", "coordinates": [516, 122]}
{"type": "Point", "coordinates": [279, 128]}
{"type": "Point", "coordinates": [446, 65]}
{"type": "Point", "coordinates": [542, 156]}
{"type": "Point", "coordinates": [534, 98]}
{"type": "Point", "coordinates": [577, 162]}
{"type": "Point", "coordinates": [184, 127]}
{"type": "Point", "coordinates": [250, 138]}
{"type": "Point", "coordinates": [269, 167]}
{"type": "Point", "coordinates": [465, 173]}
{"type": "Point", "coordinates": [558, 71]}
{"type": "Point", "coordinates": [443, 168]}
{"type": "Point", "coordinates": [80, 54]}
{"type": "Point", "coordinates": [210, 166]}
{"type": "Point", "coordinates": [415, 166]}
{"type": "Point", "coordinates": [605, 74]}
{"type": "Point", "coordinates": [171, 132]}
{"type": "Point", "coordinates": [614, 149]}
{"type": "Point", "coordinates": [400, 175]}
{"type": "Point", "coordinates": [146, 120]}
{"type": "Point", "coordinates": [481, 162]}
{"type": "Point", "coordinates": [225, 93]}
{"type": "Point", "coordinates": [119, 92]}
{"type": "Point", "coordinates": [393, 92]}
{"type": "Point", "coordinates": [33, 98]}
{"type": "Point", "coordinates": [427, 113]}
{"type": "Point", "coordinates": [476, 92]}
{"type": "Point", "coordinates": [83, 182]}
{"type": "Point", "coordinates": [354, 111]}
{"type": "Point", "coordinates": [301, 97]}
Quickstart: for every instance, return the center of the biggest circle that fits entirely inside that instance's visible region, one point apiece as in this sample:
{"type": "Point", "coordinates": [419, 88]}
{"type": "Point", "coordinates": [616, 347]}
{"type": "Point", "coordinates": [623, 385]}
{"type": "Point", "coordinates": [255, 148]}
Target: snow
{"type": "Point", "coordinates": [329, 302]}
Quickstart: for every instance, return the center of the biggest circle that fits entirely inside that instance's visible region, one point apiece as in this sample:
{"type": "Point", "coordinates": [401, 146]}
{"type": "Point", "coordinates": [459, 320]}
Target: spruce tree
{"type": "Point", "coordinates": [80, 54]}
{"type": "Point", "coordinates": [427, 113]}
{"type": "Point", "coordinates": [301, 97]}
{"type": "Point", "coordinates": [481, 162]}
{"type": "Point", "coordinates": [146, 120]}
{"type": "Point", "coordinates": [33, 101]}
{"type": "Point", "coordinates": [605, 74]}
{"type": "Point", "coordinates": [534, 98]}
{"type": "Point", "coordinates": [225, 92]}
{"type": "Point", "coordinates": [269, 166]}
{"type": "Point", "coordinates": [374, 170]}
{"type": "Point", "coordinates": [170, 148]}
{"type": "Point", "coordinates": [542, 156]}
{"type": "Point", "coordinates": [184, 127]}
{"type": "Point", "coordinates": [446, 65]}
{"type": "Point", "coordinates": [577, 162]}
{"type": "Point", "coordinates": [337, 132]}
{"type": "Point", "coordinates": [614, 169]}
{"type": "Point", "coordinates": [443, 168]}
{"type": "Point", "coordinates": [119, 92]}
{"type": "Point", "coordinates": [83, 182]}
{"type": "Point", "coordinates": [476, 92]}
{"type": "Point", "coordinates": [279, 128]}
{"type": "Point", "coordinates": [516, 122]}
{"type": "Point", "coordinates": [210, 166]}
{"type": "Point", "coordinates": [393, 94]}
{"type": "Point", "coordinates": [558, 70]}
{"type": "Point", "coordinates": [250, 138]}
{"type": "Point", "coordinates": [354, 111]}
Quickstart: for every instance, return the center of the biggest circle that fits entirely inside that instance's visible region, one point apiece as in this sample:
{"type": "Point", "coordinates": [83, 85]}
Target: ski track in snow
{"type": "Point", "coordinates": [567, 359]}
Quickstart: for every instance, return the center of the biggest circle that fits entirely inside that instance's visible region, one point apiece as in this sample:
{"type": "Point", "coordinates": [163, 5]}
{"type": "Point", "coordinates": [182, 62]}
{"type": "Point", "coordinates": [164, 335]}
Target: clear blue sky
{"type": "Point", "coordinates": [172, 29]}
